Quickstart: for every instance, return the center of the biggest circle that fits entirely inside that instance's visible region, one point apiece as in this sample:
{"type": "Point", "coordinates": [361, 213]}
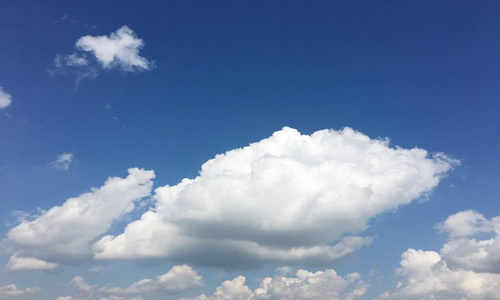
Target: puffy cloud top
{"type": "Point", "coordinates": [319, 285]}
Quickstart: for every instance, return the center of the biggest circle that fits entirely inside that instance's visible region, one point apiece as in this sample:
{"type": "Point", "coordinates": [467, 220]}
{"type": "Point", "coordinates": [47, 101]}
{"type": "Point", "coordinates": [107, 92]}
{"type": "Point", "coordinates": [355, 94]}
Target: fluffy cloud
{"type": "Point", "coordinates": [11, 291]}
{"type": "Point", "coordinates": [5, 99]}
{"type": "Point", "coordinates": [289, 198]}
{"type": "Point", "coordinates": [63, 161]}
{"type": "Point", "coordinates": [178, 279]}
{"type": "Point", "coordinates": [64, 232]}
{"type": "Point", "coordinates": [465, 251]}
{"type": "Point", "coordinates": [120, 49]}
{"type": "Point", "coordinates": [306, 285]}
{"type": "Point", "coordinates": [427, 276]}
{"type": "Point", "coordinates": [18, 263]}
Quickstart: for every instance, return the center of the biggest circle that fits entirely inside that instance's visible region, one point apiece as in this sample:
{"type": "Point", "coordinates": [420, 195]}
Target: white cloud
{"type": "Point", "coordinates": [5, 99]}
{"type": "Point", "coordinates": [464, 223]}
{"type": "Point", "coordinates": [11, 291]}
{"type": "Point", "coordinates": [63, 233]}
{"type": "Point", "coordinates": [63, 161]}
{"type": "Point", "coordinates": [120, 49]}
{"type": "Point", "coordinates": [18, 263]}
{"type": "Point", "coordinates": [427, 276]}
{"type": "Point", "coordinates": [288, 198]}
{"type": "Point", "coordinates": [306, 285]}
{"type": "Point", "coordinates": [178, 279]}
{"type": "Point", "coordinates": [81, 284]}
{"type": "Point", "coordinates": [465, 251]}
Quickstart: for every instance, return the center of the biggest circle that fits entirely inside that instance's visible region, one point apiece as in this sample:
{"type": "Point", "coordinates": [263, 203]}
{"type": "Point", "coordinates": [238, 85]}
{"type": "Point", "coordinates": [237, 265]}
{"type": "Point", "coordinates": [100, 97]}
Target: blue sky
{"type": "Point", "coordinates": [90, 89]}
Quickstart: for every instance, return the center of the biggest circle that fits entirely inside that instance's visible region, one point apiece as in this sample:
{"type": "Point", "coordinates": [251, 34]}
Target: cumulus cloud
{"type": "Point", "coordinates": [11, 291]}
{"type": "Point", "coordinates": [18, 263]}
{"type": "Point", "coordinates": [305, 285]}
{"type": "Point", "coordinates": [426, 276]}
{"type": "Point", "coordinates": [464, 250]}
{"type": "Point", "coordinates": [63, 161]}
{"type": "Point", "coordinates": [5, 99]}
{"type": "Point", "coordinates": [178, 279]}
{"type": "Point", "coordinates": [290, 198]}
{"type": "Point", "coordinates": [63, 233]}
{"type": "Point", "coordinates": [119, 49]}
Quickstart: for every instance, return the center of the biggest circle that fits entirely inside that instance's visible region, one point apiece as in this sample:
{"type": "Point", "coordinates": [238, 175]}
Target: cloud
{"type": "Point", "coordinates": [290, 198]}
{"type": "Point", "coordinates": [464, 223]}
{"type": "Point", "coordinates": [63, 233]}
{"type": "Point", "coordinates": [119, 49]}
{"type": "Point", "coordinates": [82, 285]}
{"type": "Point", "coordinates": [5, 99]}
{"type": "Point", "coordinates": [306, 285]}
{"type": "Point", "coordinates": [465, 251]}
{"type": "Point", "coordinates": [11, 291]}
{"type": "Point", "coordinates": [18, 263]}
{"type": "Point", "coordinates": [426, 276]}
{"type": "Point", "coordinates": [63, 161]}
{"type": "Point", "coordinates": [465, 268]}
{"type": "Point", "coordinates": [74, 64]}
{"type": "Point", "coordinates": [178, 279]}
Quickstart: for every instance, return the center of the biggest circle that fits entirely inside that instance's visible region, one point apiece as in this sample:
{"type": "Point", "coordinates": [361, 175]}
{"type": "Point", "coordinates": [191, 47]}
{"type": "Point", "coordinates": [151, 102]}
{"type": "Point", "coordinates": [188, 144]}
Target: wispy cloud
{"type": "Point", "coordinates": [63, 161]}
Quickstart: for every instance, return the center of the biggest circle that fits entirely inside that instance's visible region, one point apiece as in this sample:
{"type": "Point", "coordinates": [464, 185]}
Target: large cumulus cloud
{"type": "Point", "coordinates": [288, 198]}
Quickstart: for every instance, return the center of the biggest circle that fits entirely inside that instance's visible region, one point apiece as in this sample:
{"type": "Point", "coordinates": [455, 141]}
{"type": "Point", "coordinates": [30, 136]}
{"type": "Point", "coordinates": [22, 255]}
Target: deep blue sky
{"type": "Point", "coordinates": [423, 73]}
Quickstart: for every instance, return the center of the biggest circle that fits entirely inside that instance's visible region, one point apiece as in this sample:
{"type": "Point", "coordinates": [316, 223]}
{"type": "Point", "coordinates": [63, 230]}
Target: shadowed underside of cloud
{"type": "Point", "coordinates": [290, 198]}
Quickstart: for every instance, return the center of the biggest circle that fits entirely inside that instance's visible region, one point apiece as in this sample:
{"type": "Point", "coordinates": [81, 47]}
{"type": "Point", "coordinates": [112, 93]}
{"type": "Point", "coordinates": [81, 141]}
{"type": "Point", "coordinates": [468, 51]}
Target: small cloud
{"type": "Point", "coordinates": [63, 161]}
{"type": "Point", "coordinates": [11, 291]}
{"type": "Point", "coordinates": [107, 106]}
{"type": "Point", "coordinates": [97, 269]}
{"type": "Point", "coordinates": [119, 49]}
{"type": "Point", "coordinates": [5, 99]}
{"type": "Point", "coordinates": [284, 270]}
{"type": "Point", "coordinates": [73, 64]}
{"type": "Point", "coordinates": [19, 263]}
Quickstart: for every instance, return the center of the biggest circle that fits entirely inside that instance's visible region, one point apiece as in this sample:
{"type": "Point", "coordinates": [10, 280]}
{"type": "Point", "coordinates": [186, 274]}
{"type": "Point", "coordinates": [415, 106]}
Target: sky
{"type": "Point", "coordinates": [249, 150]}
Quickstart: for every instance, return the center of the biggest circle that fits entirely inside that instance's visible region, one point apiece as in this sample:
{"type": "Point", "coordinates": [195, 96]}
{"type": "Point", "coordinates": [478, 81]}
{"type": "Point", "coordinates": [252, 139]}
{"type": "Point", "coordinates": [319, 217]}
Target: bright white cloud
{"type": "Point", "coordinates": [466, 251]}
{"type": "Point", "coordinates": [426, 276]}
{"type": "Point", "coordinates": [5, 99]}
{"type": "Point", "coordinates": [464, 223]}
{"type": "Point", "coordinates": [306, 285]}
{"type": "Point", "coordinates": [120, 49]}
{"type": "Point", "coordinates": [11, 291]}
{"type": "Point", "coordinates": [284, 199]}
{"type": "Point", "coordinates": [19, 263]}
{"type": "Point", "coordinates": [178, 279]}
{"type": "Point", "coordinates": [63, 233]}
{"type": "Point", "coordinates": [63, 161]}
